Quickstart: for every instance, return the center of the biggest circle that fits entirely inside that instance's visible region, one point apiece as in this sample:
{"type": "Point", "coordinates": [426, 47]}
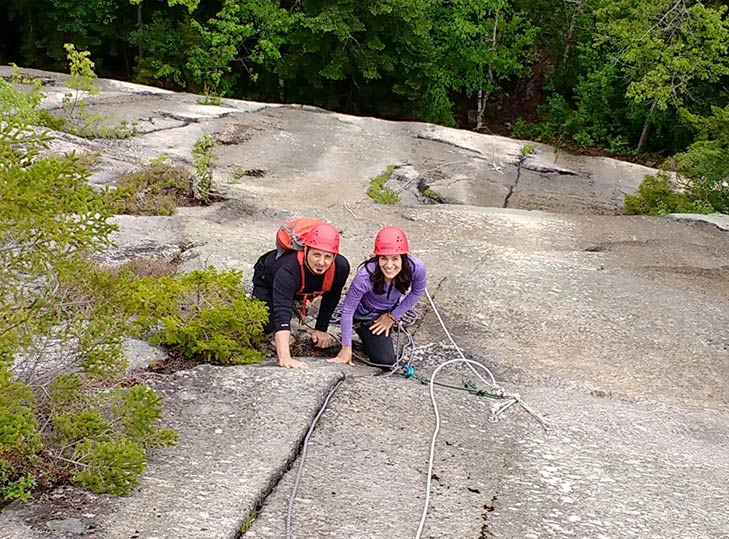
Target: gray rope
{"type": "Point", "coordinates": [292, 497]}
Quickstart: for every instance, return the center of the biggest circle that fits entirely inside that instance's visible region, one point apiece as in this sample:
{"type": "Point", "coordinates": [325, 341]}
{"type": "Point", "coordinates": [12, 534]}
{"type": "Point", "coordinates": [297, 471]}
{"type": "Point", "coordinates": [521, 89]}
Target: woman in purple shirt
{"type": "Point", "coordinates": [384, 288]}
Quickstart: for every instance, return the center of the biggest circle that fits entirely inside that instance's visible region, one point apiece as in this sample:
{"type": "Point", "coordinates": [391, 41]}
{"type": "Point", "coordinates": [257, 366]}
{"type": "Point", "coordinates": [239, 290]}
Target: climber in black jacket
{"type": "Point", "coordinates": [281, 279]}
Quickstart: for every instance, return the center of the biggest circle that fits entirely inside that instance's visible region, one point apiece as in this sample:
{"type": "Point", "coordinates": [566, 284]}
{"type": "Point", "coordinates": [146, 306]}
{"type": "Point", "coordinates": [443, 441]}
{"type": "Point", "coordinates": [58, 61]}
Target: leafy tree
{"type": "Point", "coordinates": [243, 35]}
{"type": "Point", "coordinates": [700, 180]}
{"type": "Point", "coordinates": [481, 43]}
{"type": "Point", "coordinates": [354, 55]}
{"type": "Point", "coordinates": [663, 47]}
{"type": "Point", "coordinates": [163, 49]}
{"type": "Point", "coordinates": [45, 25]}
{"type": "Point", "coordinates": [703, 168]}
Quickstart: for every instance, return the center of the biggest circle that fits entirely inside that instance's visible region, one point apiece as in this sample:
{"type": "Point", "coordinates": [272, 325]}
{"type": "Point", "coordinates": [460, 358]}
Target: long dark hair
{"type": "Point", "coordinates": [402, 280]}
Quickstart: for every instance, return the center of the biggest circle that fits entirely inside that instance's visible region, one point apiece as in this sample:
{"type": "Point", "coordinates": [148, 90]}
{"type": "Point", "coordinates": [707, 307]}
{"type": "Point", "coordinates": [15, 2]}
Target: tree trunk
{"type": "Point", "coordinates": [480, 107]}
{"type": "Point", "coordinates": [644, 136]}
{"type": "Point", "coordinates": [481, 99]}
{"type": "Point", "coordinates": [139, 25]}
{"type": "Point", "coordinates": [646, 130]}
{"type": "Point", "coordinates": [570, 32]}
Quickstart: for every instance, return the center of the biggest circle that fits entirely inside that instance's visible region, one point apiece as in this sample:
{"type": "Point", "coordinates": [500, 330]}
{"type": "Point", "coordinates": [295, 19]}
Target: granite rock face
{"type": "Point", "coordinates": [614, 328]}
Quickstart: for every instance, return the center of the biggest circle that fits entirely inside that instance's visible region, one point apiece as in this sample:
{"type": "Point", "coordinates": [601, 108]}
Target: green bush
{"type": "Point", "coordinates": [64, 413]}
{"type": "Point", "coordinates": [656, 195]}
{"type": "Point", "coordinates": [204, 315]}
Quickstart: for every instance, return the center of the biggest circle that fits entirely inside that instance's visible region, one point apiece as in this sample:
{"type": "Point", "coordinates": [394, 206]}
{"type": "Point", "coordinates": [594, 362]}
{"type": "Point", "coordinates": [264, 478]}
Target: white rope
{"type": "Point", "coordinates": [495, 388]}
{"type": "Point", "coordinates": [437, 314]}
{"type": "Point", "coordinates": [495, 411]}
{"type": "Point", "coordinates": [435, 434]}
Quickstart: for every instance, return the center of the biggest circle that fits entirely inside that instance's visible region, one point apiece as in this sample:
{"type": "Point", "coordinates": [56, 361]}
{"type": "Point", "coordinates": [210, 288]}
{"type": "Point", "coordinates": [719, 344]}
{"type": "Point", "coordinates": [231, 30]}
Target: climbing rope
{"type": "Point", "coordinates": [292, 497]}
{"type": "Point", "coordinates": [495, 392]}
{"type": "Point", "coordinates": [429, 474]}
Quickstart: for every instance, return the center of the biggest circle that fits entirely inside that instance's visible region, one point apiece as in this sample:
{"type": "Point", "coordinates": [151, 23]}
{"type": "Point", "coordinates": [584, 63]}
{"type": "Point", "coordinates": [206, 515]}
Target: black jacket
{"type": "Point", "coordinates": [277, 281]}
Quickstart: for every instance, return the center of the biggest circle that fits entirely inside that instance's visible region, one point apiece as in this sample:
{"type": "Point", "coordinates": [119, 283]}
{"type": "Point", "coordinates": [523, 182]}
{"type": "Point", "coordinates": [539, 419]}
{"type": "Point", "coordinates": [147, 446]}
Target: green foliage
{"type": "Point", "coordinates": [378, 192]}
{"type": "Point", "coordinates": [155, 190]}
{"type": "Point", "coordinates": [213, 100]}
{"type": "Point", "coordinates": [480, 45]}
{"type": "Point", "coordinates": [688, 41]}
{"type": "Point", "coordinates": [527, 149]}
{"type": "Point", "coordinates": [703, 168]}
{"type": "Point", "coordinates": [163, 44]}
{"type": "Point", "coordinates": [204, 159]}
{"type": "Point", "coordinates": [80, 121]}
{"type": "Point", "coordinates": [62, 321]}
{"type": "Point", "coordinates": [244, 34]}
{"type": "Point", "coordinates": [110, 466]}
{"type": "Point", "coordinates": [656, 195]}
{"type": "Point", "coordinates": [204, 315]}
{"type": "Point", "coordinates": [103, 434]}
{"type": "Point", "coordinates": [24, 105]}
{"type": "Point", "coordinates": [357, 55]}
{"type": "Point", "coordinates": [85, 160]}
{"type": "Point", "coordinates": [623, 70]}
{"type": "Point", "coordinates": [248, 522]}
{"type": "Point", "coordinates": [428, 192]}
{"type": "Point", "coordinates": [191, 5]}
{"type": "Point", "coordinates": [19, 437]}
{"type": "Point", "coordinates": [701, 172]}
{"type": "Point", "coordinates": [139, 409]}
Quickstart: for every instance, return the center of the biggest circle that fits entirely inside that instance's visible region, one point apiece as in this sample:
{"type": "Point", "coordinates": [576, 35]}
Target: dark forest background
{"type": "Point", "coordinates": [632, 78]}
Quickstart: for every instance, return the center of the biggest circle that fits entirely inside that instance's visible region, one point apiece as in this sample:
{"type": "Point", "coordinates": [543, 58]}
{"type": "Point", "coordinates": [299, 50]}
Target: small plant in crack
{"type": "Point", "coordinates": [204, 159]}
{"type": "Point", "coordinates": [248, 522]}
{"type": "Point", "coordinates": [528, 149]}
{"type": "Point", "coordinates": [377, 190]}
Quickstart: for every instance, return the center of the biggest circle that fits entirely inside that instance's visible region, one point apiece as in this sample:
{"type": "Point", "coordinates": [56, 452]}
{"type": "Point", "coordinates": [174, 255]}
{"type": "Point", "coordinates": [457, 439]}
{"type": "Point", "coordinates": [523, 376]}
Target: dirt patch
{"type": "Point", "coordinates": [234, 134]}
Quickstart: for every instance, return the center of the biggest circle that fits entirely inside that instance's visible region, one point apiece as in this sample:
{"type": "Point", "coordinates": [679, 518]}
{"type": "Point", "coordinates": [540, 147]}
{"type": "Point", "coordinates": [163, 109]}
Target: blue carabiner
{"type": "Point", "coordinates": [407, 371]}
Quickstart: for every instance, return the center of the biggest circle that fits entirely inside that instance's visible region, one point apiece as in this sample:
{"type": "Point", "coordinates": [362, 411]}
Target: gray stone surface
{"type": "Point", "coordinates": [610, 469]}
{"type": "Point", "coordinates": [716, 219]}
{"type": "Point", "coordinates": [614, 327]}
{"type": "Point", "coordinates": [239, 428]}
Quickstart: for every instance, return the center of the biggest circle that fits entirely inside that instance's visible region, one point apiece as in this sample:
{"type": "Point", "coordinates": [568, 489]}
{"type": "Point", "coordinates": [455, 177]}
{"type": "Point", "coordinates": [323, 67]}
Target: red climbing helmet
{"type": "Point", "coordinates": [323, 236]}
{"type": "Point", "coordinates": [391, 240]}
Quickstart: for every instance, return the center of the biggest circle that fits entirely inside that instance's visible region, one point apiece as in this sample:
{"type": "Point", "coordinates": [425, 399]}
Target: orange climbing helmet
{"type": "Point", "coordinates": [324, 237]}
{"type": "Point", "coordinates": [391, 240]}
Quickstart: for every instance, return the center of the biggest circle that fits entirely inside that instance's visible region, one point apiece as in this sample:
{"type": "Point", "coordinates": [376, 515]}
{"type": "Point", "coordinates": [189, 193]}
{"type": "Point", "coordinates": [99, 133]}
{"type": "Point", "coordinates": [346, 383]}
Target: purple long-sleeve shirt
{"type": "Point", "coordinates": [362, 298]}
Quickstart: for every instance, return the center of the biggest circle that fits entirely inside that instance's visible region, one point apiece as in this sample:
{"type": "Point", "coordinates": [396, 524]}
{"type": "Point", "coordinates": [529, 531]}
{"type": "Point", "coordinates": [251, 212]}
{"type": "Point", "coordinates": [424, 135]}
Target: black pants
{"type": "Point", "coordinates": [379, 348]}
{"type": "Point", "coordinates": [263, 287]}
{"type": "Point", "coordinates": [265, 295]}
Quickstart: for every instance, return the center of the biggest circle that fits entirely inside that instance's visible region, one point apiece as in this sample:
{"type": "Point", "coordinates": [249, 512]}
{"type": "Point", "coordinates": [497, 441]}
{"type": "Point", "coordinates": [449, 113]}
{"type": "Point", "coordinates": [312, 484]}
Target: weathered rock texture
{"type": "Point", "coordinates": [613, 327]}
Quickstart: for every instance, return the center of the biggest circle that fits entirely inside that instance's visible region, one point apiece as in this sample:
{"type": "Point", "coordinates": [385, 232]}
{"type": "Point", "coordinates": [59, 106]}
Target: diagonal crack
{"type": "Point", "coordinates": [250, 516]}
{"type": "Point", "coordinates": [512, 187]}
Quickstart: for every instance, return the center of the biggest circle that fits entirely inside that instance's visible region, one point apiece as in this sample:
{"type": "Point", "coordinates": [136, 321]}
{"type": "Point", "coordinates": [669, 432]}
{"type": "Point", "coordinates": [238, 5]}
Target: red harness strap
{"type": "Point", "coordinates": [326, 285]}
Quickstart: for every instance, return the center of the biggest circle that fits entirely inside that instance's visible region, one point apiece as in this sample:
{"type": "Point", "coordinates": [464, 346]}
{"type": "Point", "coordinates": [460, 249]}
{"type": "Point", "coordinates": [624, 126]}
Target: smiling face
{"type": "Point", "coordinates": [318, 260]}
{"type": "Point", "coordinates": [390, 265]}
